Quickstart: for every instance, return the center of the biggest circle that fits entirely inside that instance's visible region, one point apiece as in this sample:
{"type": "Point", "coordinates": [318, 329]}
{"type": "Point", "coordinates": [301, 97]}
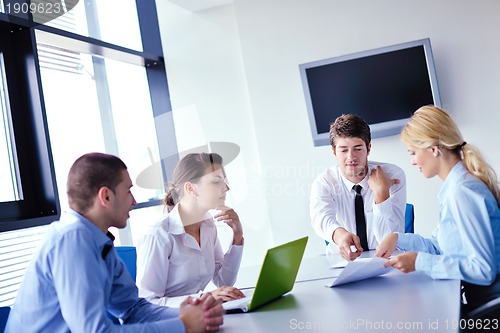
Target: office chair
{"type": "Point", "coordinates": [409, 219]}
{"type": "Point", "coordinates": [486, 309]}
{"type": "Point", "coordinates": [4, 315]}
{"type": "Point", "coordinates": [128, 255]}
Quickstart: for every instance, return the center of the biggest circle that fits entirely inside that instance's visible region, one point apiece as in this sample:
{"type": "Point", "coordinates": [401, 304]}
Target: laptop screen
{"type": "Point", "coordinates": [279, 270]}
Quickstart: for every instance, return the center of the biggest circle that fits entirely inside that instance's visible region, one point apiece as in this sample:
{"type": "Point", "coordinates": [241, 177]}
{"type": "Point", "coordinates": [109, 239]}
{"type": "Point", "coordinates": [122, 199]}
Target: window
{"type": "Point", "coordinates": [112, 21]}
{"type": "Point", "coordinates": [9, 173]}
{"type": "Point", "coordinates": [97, 96]}
{"type": "Point", "coordinates": [30, 188]}
{"type": "Point", "coordinates": [82, 119]}
{"type": "Point", "coordinates": [16, 250]}
{"type": "Point", "coordinates": [111, 90]}
{"type": "Point", "coordinates": [92, 79]}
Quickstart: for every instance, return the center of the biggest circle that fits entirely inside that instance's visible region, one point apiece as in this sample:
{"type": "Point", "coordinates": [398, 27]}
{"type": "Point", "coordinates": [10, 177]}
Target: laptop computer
{"type": "Point", "coordinates": [277, 276]}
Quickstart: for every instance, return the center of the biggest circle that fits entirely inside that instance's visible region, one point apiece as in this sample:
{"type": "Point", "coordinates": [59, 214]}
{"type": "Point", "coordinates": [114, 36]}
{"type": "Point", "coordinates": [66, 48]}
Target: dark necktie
{"type": "Point", "coordinates": [360, 217]}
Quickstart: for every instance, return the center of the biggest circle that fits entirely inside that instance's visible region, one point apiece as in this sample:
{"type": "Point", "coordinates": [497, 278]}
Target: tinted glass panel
{"type": "Point", "coordinates": [97, 105]}
{"type": "Point", "coordinates": [9, 172]}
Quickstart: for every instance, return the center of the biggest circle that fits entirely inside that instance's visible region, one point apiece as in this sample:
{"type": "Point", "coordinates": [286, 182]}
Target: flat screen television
{"type": "Point", "coordinates": [384, 86]}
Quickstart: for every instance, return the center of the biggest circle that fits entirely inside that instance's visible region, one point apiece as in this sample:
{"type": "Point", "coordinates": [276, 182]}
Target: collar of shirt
{"type": "Point", "coordinates": [176, 227]}
{"type": "Point", "coordinates": [364, 182]}
{"type": "Point", "coordinates": [453, 177]}
{"type": "Point", "coordinates": [103, 241]}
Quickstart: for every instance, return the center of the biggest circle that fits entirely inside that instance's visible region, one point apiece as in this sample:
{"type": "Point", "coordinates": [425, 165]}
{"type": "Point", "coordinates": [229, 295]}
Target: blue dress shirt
{"type": "Point", "coordinates": [74, 279]}
{"type": "Point", "coordinates": [466, 243]}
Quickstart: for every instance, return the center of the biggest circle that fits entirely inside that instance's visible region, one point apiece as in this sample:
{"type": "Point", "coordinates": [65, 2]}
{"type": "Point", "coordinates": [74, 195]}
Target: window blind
{"type": "Point", "coordinates": [16, 249]}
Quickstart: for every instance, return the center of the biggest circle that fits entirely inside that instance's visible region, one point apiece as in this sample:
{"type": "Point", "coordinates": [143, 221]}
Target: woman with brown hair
{"type": "Point", "coordinates": [181, 254]}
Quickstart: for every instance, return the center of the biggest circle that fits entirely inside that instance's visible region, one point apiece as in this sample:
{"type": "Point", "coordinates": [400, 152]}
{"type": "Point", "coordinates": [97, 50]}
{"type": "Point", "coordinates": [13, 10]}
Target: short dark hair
{"type": "Point", "coordinates": [350, 126]}
{"type": "Point", "coordinates": [88, 174]}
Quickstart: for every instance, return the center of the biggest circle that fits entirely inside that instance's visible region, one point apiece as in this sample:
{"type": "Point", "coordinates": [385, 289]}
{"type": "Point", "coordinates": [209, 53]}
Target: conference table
{"type": "Point", "coordinates": [396, 301]}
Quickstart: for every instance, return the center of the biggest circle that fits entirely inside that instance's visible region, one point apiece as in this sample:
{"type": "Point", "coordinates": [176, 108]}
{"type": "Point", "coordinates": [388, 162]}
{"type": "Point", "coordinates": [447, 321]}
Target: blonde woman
{"type": "Point", "coordinates": [181, 254]}
{"type": "Point", "coordinates": [466, 243]}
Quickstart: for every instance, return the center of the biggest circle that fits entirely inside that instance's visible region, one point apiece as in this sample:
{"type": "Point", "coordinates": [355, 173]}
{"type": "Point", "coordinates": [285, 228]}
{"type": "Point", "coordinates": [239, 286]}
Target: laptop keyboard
{"type": "Point", "coordinates": [239, 303]}
{"type": "Point", "coordinates": [248, 292]}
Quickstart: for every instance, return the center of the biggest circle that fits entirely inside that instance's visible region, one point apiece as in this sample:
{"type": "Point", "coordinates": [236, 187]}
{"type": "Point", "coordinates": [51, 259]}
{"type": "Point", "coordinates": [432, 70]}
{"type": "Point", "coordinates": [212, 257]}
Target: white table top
{"type": "Point", "coordinates": [402, 302]}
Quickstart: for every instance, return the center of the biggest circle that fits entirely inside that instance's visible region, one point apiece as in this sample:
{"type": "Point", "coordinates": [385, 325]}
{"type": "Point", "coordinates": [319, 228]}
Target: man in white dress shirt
{"type": "Point", "coordinates": [332, 201]}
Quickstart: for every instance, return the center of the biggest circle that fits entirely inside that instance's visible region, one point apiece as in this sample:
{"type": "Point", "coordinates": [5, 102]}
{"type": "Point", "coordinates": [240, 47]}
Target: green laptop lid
{"type": "Point", "coordinates": [278, 272]}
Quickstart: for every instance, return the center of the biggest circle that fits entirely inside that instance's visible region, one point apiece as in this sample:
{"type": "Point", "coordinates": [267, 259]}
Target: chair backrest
{"type": "Point", "coordinates": [409, 218]}
{"type": "Point", "coordinates": [4, 315]}
{"type": "Point", "coordinates": [487, 310]}
{"type": "Point", "coordinates": [128, 255]}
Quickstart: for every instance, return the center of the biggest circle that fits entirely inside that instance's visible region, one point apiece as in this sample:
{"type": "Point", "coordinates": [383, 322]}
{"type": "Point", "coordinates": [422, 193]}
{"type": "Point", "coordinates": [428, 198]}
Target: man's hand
{"type": "Point", "coordinates": [379, 183]}
{"type": "Point", "coordinates": [387, 246]}
{"type": "Point", "coordinates": [405, 262]}
{"type": "Point", "coordinates": [344, 239]}
{"type": "Point", "coordinates": [191, 314]}
{"type": "Point", "coordinates": [201, 314]}
{"type": "Point", "coordinates": [213, 312]}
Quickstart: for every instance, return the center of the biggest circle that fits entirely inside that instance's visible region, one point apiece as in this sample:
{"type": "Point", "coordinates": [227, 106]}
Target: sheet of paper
{"type": "Point", "coordinates": [360, 269]}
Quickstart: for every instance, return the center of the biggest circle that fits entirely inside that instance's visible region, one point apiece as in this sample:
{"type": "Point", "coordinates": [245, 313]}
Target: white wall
{"type": "Point", "coordinates": [237, 66]}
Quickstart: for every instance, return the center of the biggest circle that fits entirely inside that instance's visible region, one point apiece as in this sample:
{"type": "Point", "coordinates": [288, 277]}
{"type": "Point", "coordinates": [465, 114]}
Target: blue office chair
{"type": "Point", "coordinates": [128, 255]}
{"type": "Point", "coordinates": [4, 315]}
{"type": "Point", "coordinates": [409, 219]}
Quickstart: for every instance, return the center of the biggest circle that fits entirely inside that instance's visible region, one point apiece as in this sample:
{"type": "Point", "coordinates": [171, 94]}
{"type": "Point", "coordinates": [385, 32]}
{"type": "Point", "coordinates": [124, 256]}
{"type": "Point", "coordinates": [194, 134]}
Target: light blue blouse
{"type": "Point", "coordinates": [466, 243]}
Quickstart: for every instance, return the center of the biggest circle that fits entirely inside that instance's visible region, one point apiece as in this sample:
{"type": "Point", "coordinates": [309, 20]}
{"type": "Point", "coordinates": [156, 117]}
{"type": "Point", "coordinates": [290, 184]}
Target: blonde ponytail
{"type": "Point", "coordinates": [430, 126]}
{"type": "Point", "coordinates": [476, 164]}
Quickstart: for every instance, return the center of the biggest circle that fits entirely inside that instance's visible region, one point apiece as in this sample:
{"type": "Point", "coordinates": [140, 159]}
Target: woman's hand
{"type": "Point", "coordinates": [227, 293]}
{"type": "Point", "coordinates": [405, 262]}
{"type": "Point", "coordinates": [388, 246]}
{"type": "Point", "coordinates": [229, 216]}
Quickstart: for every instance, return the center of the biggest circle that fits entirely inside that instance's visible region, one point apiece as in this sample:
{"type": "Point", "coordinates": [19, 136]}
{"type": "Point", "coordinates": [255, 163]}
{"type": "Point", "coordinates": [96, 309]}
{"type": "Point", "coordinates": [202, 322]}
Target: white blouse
{"type": "Point", "coordinates": [171, 265]}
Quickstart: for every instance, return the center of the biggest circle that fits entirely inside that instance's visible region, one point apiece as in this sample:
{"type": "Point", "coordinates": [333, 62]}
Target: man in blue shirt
{"type": "Point", "coordinates": [76, 276]}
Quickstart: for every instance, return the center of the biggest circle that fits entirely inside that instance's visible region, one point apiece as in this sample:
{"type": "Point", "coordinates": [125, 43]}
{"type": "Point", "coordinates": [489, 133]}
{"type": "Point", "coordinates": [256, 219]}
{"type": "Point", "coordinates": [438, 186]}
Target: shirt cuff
{"type": "Point", "coordinates": [172, 325]}
{"type": "Point", "coordinates": [434, 266]}
{"type": "Point", "coordinates": [419, 263]}
{"type": "Point", "coordinates": [235, 250]}
{"type": "Point", "coordinates": [242, 242]}
{"type": "Point", "coordinates": [404, 242]}
{"type": "Point", "coordinates": [383, 208]}
{"type": "Point", "coordinates": [330, 230]}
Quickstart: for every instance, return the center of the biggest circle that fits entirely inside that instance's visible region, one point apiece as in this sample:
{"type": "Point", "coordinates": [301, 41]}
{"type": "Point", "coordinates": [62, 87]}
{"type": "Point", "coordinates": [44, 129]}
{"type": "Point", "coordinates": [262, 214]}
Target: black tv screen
{"type": "Point", "coordinates": [384, 86]}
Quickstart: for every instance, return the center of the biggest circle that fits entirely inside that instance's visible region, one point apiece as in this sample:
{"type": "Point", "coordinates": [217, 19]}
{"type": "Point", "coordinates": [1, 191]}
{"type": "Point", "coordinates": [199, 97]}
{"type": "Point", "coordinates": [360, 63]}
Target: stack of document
{"type": "Point", "coordinates": [359, 269]}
